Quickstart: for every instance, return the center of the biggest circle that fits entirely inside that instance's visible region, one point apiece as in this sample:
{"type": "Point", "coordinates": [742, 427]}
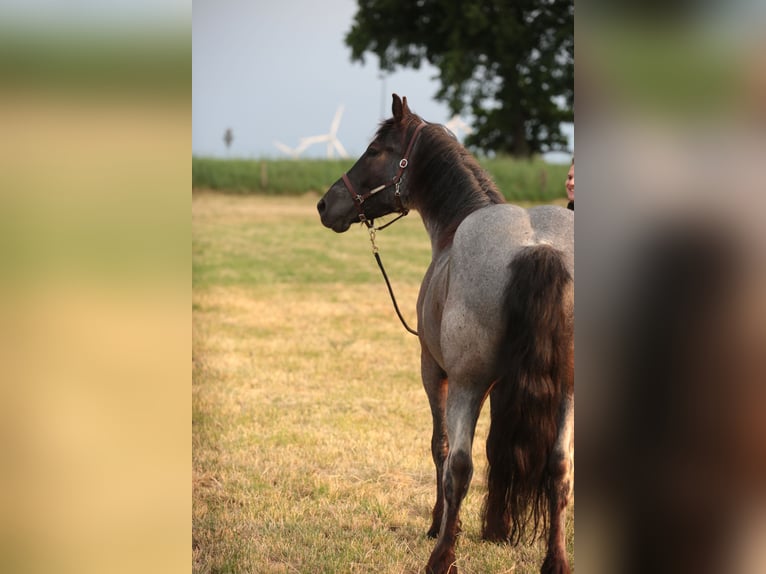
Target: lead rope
{"type": "Point", "coordinates": [385, 276]}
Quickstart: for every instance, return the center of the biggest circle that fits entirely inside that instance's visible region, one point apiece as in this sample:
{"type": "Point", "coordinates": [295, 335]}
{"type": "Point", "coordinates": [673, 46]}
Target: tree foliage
{"type": "Point", "coordinates": [509, 62]}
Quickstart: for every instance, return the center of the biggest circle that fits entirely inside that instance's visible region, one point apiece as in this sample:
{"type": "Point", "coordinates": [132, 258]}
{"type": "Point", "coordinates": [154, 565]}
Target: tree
{"type": "Point", "coordinates": [510, 62]}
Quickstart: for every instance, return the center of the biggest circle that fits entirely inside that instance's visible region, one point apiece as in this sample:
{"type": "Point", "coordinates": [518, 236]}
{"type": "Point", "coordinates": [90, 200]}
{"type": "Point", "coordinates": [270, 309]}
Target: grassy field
{"type": "Point", "coordinates": [310, 427]}
{"type": "Point", "coordinates": [519, 180]}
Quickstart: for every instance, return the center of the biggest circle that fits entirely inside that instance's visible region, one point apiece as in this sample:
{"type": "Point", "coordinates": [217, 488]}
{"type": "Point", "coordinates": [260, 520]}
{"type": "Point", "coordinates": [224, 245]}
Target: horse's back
{"type": "Point", "coordinates": [492, 236]}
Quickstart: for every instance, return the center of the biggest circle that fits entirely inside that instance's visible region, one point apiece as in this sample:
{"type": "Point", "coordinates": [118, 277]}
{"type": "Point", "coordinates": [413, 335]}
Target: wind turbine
{"type": "Point", "coordinates": [293, 153]}
{"type": "Point", "coordinates": [457, 124]}
{"type": "Point", "coordinates": [331, 138]}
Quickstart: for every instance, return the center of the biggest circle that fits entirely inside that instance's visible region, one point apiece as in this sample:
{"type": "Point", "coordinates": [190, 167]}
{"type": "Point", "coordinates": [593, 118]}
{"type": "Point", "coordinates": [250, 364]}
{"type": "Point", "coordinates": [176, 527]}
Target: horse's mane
{"type": "Point", "coordinates": [446, 182]}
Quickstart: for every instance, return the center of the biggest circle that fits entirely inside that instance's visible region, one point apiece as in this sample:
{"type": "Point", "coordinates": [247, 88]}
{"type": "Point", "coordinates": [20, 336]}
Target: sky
{"type": "Point", "coordinates": [277, 70]}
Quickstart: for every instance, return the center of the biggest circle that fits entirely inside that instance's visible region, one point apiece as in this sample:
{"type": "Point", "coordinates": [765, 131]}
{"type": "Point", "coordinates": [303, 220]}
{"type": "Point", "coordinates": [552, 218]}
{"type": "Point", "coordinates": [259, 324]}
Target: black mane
{"type": "Point", "coordinates": [446, 183]}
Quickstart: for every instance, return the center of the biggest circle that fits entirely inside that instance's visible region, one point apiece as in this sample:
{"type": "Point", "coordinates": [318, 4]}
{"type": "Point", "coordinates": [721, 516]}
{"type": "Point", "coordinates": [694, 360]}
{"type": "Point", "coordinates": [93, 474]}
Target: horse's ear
{"type": "Point", "coordinates": [397, 108]}
{"type": "Point", "coordinates": [400, 108]}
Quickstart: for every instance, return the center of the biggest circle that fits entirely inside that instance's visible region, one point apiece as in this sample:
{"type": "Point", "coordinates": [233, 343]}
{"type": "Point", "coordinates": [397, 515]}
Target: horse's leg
{"type": "Point", "coordinates": [463, 406]}
{"type": "Point", "coordinates": [435, 383]}
{"type": "Point", "coordinates": [562, 472]}
{"type": "Point", "coordinates": [497, 519]}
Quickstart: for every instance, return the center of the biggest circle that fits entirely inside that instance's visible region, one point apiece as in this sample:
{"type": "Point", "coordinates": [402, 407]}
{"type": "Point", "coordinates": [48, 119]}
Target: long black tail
{"type": "Point", "coordinates": [535, 372]}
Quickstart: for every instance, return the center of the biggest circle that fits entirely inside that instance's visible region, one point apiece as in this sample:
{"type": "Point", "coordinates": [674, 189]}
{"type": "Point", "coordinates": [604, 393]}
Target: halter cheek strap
{"type": "Point", "coordinates": [396, 181]}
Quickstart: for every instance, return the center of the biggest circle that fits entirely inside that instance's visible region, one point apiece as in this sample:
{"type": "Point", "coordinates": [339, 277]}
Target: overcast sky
{"type": "Point", "coordinates": [278, 70]}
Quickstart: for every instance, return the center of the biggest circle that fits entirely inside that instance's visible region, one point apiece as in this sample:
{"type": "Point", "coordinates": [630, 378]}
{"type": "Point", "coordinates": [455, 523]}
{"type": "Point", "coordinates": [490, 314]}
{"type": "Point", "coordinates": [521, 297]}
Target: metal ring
{"type": "Point", "coordinates": [403, 163]}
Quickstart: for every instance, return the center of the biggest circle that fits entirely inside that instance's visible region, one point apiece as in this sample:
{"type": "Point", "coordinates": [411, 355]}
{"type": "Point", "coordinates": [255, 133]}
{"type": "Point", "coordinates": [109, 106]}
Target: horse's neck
{"type": "Point", "coordinates": [438, 242]}
{"type": "Point", "coordinates": [441, 231]}
{"type": "Point", "coordinates": [448, 190]}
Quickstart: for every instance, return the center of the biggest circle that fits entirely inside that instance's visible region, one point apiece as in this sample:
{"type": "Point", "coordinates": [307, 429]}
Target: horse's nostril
{"type": "Point", "coordinates": [321, 206]}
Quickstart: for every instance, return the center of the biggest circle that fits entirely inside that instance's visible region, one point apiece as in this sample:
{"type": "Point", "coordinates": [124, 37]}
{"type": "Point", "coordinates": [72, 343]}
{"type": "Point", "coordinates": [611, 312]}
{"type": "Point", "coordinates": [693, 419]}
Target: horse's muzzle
{"type": "Point", "coordinates": [339, 225]}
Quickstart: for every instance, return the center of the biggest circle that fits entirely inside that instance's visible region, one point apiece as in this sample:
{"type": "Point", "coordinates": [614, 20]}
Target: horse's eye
{"type": "Point", "coordinates": [372, 152]}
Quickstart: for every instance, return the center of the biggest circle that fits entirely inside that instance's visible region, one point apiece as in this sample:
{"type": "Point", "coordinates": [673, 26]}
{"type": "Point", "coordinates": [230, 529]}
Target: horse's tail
{"type": "Point", "coordinates": [535, 371]}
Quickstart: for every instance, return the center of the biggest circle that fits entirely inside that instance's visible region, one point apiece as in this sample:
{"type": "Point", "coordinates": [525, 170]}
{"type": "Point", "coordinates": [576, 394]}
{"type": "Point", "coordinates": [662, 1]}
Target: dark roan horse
{"type": "Point", "coordinates": [495, 319]}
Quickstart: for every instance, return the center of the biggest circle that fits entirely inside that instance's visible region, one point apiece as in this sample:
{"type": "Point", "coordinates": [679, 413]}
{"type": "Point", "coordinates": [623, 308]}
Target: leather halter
{"type": "Point", "coordinates": [395, 181]}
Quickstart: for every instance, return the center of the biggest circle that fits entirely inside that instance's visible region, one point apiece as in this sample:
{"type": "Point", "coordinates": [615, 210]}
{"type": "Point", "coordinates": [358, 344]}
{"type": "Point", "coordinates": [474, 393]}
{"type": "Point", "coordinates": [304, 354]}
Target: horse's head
{"type": "Point", "coordinates": [373, 186]}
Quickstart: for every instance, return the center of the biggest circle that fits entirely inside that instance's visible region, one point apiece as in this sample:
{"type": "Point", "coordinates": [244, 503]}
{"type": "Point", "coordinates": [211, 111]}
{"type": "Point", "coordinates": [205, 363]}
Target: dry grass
{"type": "Point", "coordinates": [311, 431]}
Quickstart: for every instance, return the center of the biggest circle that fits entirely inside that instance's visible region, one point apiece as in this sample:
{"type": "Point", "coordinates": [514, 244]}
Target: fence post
{"type": "Point", "coordinates": [264, 176]}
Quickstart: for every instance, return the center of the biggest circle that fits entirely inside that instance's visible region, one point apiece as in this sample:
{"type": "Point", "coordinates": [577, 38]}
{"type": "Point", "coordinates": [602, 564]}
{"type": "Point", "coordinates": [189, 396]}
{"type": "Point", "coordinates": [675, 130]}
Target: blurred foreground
{"type": "Point", "coordinates": [95, 293]}
{"type": "Point", "coordinates": [671, 293]}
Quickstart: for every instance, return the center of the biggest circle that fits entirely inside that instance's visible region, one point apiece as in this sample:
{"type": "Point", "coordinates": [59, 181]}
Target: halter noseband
{"type": "Point", "coordinates": [396, 181]}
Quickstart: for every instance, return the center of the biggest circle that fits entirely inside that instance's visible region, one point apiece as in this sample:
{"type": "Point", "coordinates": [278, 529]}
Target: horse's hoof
{"type": "Point", "coordinates": [496, 531]}
{"type": "Point", "coordinates": [442, 567]}
{"type": "Point", "coordinates": [555, 564]}
{"type": "Point", "coordinates": [442, 563]}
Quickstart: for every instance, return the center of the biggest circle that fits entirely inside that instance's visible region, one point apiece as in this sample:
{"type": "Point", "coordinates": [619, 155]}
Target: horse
{"type": "Point", "coordinates": [495, 317]}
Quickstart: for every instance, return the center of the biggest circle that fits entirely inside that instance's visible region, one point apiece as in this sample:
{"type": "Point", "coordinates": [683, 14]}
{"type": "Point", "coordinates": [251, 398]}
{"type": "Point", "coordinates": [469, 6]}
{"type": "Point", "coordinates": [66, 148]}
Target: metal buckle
{"type": "Point", "coordinates": [403, 163]}
{"type": "Point", "coordinates": [372, 239]}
